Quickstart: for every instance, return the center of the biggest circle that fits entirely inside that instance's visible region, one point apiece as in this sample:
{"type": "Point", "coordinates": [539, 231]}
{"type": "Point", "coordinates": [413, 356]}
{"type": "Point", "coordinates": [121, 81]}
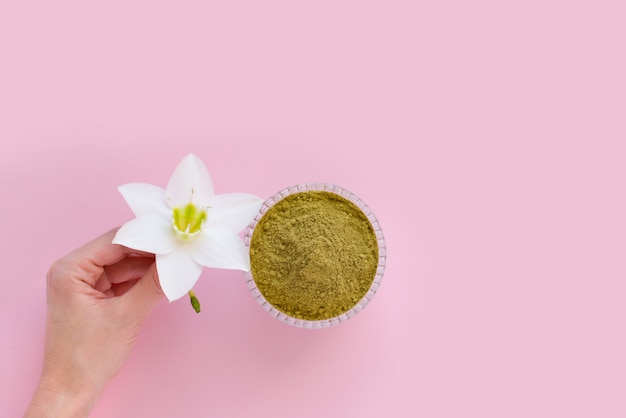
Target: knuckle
{"type": "Point", "coordinates": [55, 273]}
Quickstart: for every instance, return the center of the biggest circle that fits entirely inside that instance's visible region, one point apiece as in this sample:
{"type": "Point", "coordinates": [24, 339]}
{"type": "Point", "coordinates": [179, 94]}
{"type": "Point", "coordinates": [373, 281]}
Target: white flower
{"type": "Point", "coordinates": [187, 226]}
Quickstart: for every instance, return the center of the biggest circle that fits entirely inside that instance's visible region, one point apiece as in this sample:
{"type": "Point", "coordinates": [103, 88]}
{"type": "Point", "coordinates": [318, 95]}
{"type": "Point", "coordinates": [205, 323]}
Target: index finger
{"type": "Point", "coordinates": [102, 252]}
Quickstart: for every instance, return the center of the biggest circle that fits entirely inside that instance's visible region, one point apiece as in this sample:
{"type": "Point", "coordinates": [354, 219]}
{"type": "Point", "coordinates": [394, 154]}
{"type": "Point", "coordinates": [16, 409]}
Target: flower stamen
{"type": "Point", "coordinates": [188, 220]}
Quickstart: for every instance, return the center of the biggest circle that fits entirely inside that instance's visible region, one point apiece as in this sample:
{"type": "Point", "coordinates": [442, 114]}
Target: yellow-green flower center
{"type": "Point", "coordinates": [188, 220]}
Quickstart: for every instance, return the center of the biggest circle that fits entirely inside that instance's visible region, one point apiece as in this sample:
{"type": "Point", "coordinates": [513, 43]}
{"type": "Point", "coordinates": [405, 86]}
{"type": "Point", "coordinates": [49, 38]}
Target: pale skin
{"type": "Point", "coordinates": [98, 297]}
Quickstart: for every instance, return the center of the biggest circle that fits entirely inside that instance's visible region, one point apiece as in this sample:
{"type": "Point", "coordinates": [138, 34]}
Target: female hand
{"type": "Point", "coordinates": [98, 297]}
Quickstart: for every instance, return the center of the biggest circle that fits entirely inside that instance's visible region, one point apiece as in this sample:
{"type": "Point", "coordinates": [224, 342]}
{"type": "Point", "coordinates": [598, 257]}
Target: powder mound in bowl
{"type": "Point", "coordinates": [313, 255]}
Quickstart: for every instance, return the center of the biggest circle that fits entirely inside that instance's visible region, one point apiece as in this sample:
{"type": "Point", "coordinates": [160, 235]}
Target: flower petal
{"type": "Point", "coordinates": [145, 199]}
{"type": "Point", "coordinates": [220, 248]}
{"type": "Point", "coordinates": [150, 233]}
{"type": "Point", "coordinates": [234, 211]}
{"type": "Point", "coordinates": [178, 272]}
{"type": "Point", "coordinates": [190, 177]}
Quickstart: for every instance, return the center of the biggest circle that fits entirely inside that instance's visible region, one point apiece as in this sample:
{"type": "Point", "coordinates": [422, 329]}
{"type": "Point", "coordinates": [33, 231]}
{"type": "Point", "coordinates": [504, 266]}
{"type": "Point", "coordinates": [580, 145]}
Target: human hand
{"type": "Point", "coordinates": [98, 297]}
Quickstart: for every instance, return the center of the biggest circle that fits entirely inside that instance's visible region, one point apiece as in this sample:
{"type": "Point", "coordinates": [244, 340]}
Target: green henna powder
{"type": "Point", "coordinates": [313, 255]}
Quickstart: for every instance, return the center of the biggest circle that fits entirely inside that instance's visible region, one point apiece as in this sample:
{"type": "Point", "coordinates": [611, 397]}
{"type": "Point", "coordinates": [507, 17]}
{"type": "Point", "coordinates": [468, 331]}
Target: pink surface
{"type": "Point", "coordinates": [487, 136]}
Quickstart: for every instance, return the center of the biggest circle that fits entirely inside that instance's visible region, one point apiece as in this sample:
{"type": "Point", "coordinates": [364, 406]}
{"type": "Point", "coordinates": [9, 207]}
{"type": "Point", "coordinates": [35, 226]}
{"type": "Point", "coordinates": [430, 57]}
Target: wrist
{"type": "Point", "coordinates": [55, 400]}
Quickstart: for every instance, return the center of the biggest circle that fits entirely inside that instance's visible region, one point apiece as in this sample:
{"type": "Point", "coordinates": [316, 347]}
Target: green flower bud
{"type": "Point", "coordinates": [194, 301]}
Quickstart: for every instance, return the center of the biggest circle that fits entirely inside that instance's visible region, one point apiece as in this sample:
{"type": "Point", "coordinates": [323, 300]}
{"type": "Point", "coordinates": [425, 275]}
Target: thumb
{"type": "Point", "coordinates": [145, 294]}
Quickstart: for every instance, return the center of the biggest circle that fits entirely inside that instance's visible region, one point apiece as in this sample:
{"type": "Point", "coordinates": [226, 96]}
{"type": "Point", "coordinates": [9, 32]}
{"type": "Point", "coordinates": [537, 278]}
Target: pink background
{"type": "Point", "coordinates": [489, 137]}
